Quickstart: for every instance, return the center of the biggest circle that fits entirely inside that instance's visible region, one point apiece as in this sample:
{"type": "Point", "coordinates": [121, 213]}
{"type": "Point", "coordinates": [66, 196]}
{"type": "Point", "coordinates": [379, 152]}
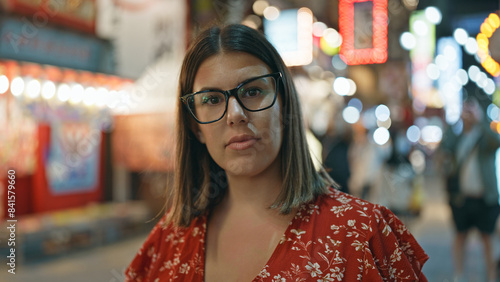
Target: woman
{"type": "Point", "coordinates": [248, 204]}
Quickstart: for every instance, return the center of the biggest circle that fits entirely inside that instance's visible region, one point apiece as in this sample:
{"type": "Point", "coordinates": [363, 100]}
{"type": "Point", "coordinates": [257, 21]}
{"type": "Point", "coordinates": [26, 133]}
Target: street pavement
{"type": "Point", "coordinates": [433, 229]}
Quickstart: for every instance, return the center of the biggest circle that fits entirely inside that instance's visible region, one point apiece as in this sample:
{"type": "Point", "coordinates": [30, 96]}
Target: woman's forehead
{"type": "Point", "coordinates": [228, 70]}
{"type": "Point", "coordinates": [226, 60]}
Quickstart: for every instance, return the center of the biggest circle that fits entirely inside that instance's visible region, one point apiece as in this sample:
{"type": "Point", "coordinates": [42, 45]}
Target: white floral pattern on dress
{"type": "Point", "coordinates": [335, 238]}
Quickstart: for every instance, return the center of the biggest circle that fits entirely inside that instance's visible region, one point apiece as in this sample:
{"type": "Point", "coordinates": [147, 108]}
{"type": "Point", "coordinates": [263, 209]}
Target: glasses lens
{"type": "Point", "coordinates": [208, 106]}
{"type": "Point", "coordinates": [258, 94]}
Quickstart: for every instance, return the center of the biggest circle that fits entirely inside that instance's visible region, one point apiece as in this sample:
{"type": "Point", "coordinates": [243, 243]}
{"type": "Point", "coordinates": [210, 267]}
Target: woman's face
{"type": "Point", "coordinates": [243, 143]}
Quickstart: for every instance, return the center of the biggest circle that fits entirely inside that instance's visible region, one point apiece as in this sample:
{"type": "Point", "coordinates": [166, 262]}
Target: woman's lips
{"type": "Point", "coordinates": [242, 145]}
{"type": "Point", "coordinates": [241, 142]}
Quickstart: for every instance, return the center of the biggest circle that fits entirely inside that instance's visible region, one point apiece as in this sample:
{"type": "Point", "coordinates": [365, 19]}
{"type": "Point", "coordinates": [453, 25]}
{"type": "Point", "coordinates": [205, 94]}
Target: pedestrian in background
{"type": "Point", "coordinates": [336, 143]}
{"type": "Point", "coordinates": [471, 183]}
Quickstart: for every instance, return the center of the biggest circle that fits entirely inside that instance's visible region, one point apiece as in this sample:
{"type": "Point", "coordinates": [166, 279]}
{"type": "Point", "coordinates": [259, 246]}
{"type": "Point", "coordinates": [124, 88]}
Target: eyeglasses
{"type": "Point", "coordinates": [254, 94]}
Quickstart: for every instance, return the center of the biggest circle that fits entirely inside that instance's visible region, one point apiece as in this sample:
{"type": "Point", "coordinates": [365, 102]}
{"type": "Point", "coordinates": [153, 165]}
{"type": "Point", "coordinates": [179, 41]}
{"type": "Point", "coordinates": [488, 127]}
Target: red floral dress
{"type": "Point", "coordinates": [336, 238]}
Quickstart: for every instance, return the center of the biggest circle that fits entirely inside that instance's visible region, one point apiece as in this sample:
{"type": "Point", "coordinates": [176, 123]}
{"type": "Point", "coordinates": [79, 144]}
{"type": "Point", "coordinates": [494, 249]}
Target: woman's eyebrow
{"type": "Point", "coordinates": [238, 84]}
{"type": "Point", "coordinates": [209, 88]}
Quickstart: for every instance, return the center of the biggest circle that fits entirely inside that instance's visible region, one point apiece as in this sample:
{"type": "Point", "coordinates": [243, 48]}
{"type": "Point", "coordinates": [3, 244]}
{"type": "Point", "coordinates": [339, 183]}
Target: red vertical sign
{"type": "Point", "coordinates": [355, 48]}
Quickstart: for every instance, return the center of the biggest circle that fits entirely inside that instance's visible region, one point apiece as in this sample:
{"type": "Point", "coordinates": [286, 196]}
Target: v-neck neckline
{"type": "Point", "coordinates": [276, 250]}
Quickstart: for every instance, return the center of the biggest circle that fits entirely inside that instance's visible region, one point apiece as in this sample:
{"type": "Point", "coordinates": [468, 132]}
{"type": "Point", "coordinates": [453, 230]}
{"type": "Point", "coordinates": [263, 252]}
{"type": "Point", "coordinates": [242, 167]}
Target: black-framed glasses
{"type": "Point", "coordinates": [254, 94]}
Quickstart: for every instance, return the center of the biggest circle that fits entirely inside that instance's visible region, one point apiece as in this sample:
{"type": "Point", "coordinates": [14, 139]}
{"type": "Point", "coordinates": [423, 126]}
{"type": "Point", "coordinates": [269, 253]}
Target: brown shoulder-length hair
{"type": "Point", "coordinates": [199, 183]}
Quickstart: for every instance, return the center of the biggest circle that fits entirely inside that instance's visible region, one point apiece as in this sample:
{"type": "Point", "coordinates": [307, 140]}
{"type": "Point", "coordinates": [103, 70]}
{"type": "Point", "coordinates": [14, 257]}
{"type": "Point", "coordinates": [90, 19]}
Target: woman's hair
{"type": "Point", "coordinates": [199, 183]}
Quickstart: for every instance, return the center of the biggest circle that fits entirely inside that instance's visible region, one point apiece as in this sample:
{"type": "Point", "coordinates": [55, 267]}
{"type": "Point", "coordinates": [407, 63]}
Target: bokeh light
{"type": "Point", "coordinates": [385, 124]}
{"type": "Point", "coordinates": [413, 133]}
{"type": "Point", "coordinates": [356, 103]}
{"type": "Point", "coordinates": [338, 63]}
{"type": "Point", "coordinates": [381, 136]}
{"type": "Point", "coordinates": [76, 95]}
{"type": "Point", "coordinates": [441, 62]}
{"type": "Point", "coordinates": [493, 112]}
{"type": "Point", "coordinates": [17, 86]}
{"type": "Point", "coordinates": [90, 96]}
{"type": "Point", "coordinates": [432, 134]}
{"type": "Point", "coordinates": [432, 71]}
{"type": "Point", "coordinates": [462, 76]}
{"type": "Point", "coordinates": [471, 46]}
{"type": "Point", "coordinates": [473, 73]}
{"type": "Point", "coordinates": [460, 36]}
{"type": "Point", "coordinates": [102, 96]}
{"type": "Point", "coordinates": [420, 28]}
{"type": "Point", "coordinates": [319, 28]}
{"type": "Point", "coordinates": [489, 88]}
{"type": "Point", "coordinates": [4, 84]}
{"type": "Point", "coordinates": [433, 15]}
{"type": "Point", "coordinates": [407, 40]}
{"type": "Point", "coordinates": [271, 13]}
{"type": "Point", "coordinates": [63, 92]}
{"type": "Point", "coordinates": [341, 86]}
{"type": "Point", "coordinates": [382, 112]}
{"type": "Point", "coordinates": [259, 6]}
{"type": "Point", "coordinates": [417, 160]}
{"type": "Point", "coordinates": [33, 89]}
{"type": "Point", "coordinates": [351, 115]}
{"type": "Point", "coordinates": [48, 90]}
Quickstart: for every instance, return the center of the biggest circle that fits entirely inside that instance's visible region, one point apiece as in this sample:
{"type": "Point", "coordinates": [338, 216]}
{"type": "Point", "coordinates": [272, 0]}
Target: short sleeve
{"type": "Point", "coordinates": [140, 267]}
{"type": "Point", "coordinates": [393, 253]}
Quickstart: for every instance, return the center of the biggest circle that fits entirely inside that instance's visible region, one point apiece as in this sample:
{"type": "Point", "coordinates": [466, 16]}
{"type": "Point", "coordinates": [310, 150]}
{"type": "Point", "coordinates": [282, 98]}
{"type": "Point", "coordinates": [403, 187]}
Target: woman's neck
{"type": "Point", "coordinates": [253, 192]}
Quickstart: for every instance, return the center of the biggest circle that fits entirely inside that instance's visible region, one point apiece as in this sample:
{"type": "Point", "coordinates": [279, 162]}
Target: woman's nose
{"type": "Point", "coordinates": [235, 112]}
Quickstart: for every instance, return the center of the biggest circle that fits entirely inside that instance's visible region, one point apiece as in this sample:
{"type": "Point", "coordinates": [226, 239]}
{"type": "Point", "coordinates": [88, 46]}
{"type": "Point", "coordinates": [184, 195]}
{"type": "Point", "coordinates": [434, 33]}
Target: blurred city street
{"type": "Point", "coordinates": [105, 263]}
{"type": "Point", "coordinates": [433, 230]}
{"type": "Point", "coordinates": [96, 97]}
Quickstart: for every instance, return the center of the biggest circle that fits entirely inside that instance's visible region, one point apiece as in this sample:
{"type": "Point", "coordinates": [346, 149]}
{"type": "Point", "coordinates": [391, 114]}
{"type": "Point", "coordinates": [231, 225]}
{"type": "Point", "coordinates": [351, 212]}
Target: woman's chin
{"type": "Point", "coordinates": [241, 168]}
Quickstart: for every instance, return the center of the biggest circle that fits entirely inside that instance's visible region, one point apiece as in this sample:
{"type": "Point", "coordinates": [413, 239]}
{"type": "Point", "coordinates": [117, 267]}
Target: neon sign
{"type": "Point", "coordinates": [375, 52]}
{"type": "Point", "coordinates": [488, 27]}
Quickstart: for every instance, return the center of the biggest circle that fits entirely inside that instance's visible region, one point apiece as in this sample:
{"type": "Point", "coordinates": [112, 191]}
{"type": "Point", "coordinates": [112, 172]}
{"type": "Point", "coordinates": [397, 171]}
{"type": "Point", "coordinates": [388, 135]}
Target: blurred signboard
{"type": "Point", "coordinates": [79, 15]}
{"type": "Point", "coordinates": [17, 137]}
{"type": "Point", "coordinates": [449, 88]}
{"type": "Point", "coordinates": [291, 35]}
{"type": "Point", "coordinates": [423, 91]}
{"type": "Point", "coordinates": [144, 142]}
{"type": "Point", "coordinates": [74, 158]}
{"type": "Point", "coordinates": [363, 26]}
{"type": "Point", "coordinates": [24, 41]}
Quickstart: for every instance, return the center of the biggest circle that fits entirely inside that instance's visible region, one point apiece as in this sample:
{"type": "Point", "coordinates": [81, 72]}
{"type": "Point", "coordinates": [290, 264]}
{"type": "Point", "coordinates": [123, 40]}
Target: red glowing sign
{"type": "Point", "coordinates": [356, 49]}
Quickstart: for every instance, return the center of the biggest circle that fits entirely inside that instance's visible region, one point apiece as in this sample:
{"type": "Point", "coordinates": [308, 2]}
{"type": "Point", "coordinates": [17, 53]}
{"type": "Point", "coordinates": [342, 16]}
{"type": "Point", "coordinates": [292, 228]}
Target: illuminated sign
{"type": "Point", "coordinates": [363, 42]}
{"type": "Point", "coordinates": [489, 26]}
{"type": "Point", "coordinates": [291, 35]}
{"type": "Point", "coordinates": [449, 60]}
{"type": "Point", "coordinates": [423, 91]}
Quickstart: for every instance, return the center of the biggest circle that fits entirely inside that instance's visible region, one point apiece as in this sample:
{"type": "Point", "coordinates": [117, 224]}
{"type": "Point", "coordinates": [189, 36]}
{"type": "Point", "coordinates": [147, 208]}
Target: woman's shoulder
{"type": "Point", "coordinates": [342, 205]}
{"type": "Point", "coordinates": [168, 247]}
{"type": "Point", "coordinates": [336, 209]}
{"type": "Point", "coordinates": [358, 235]}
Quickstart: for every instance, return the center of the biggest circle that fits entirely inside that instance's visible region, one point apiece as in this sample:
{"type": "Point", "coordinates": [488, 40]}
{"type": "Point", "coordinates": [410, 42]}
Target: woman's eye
{"type": "Point", "coordinates": [211, 100]}
{"type": "Point", "coordinates": [252, 92]}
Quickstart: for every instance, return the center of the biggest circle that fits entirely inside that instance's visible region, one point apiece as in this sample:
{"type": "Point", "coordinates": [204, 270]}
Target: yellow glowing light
{"type": "Point", "coordinates": [488, 27]}
{"type": "Point", "coordinates": [327, 48]}
{"type": "Point", "coordinates": [497, 125]}
{"type": "Point", "coordinates": [494, 20]}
